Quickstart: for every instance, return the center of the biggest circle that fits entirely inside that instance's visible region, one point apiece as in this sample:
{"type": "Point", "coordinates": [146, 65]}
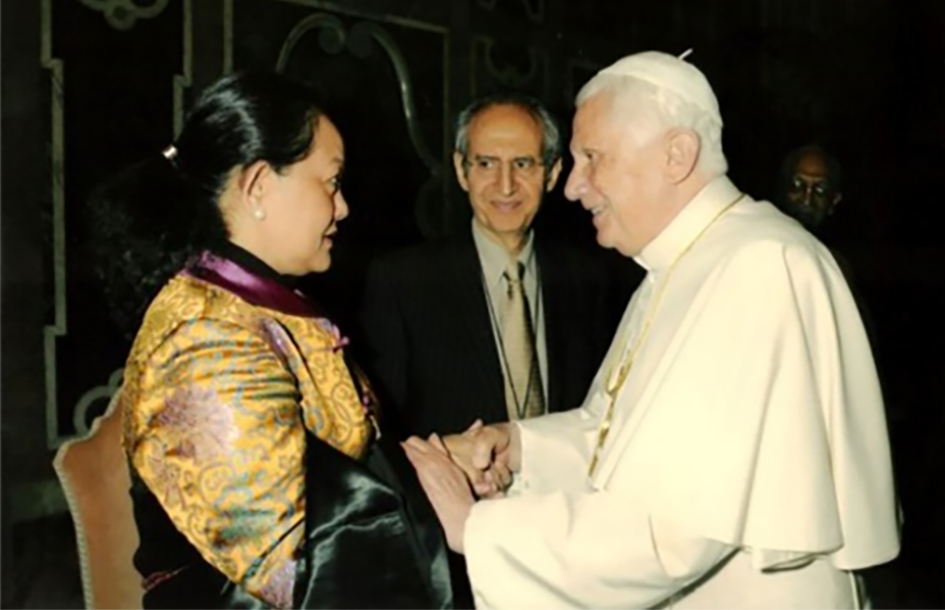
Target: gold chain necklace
{"type": "Point", "coordinates": [627, 359]}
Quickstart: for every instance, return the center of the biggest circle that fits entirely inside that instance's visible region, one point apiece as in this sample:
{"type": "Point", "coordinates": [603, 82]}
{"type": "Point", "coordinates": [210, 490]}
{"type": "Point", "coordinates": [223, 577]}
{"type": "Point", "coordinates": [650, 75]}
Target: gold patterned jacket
{"type": "Point", "coordinates": [227, 372]}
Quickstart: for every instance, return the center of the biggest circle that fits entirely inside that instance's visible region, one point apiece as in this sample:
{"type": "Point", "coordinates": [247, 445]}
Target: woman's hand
{"type": "Point", "coordinates": [444, 483]}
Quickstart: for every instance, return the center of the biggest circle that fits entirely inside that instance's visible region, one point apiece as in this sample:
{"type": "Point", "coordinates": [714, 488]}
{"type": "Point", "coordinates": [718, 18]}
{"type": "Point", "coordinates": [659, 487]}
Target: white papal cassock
{"type": "Point", "coordinates": [748, 464]}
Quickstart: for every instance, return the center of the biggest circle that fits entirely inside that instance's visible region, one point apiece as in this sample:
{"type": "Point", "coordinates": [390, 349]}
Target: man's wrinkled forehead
{"type": "Point", "coordinates": [812, 166]}
{"type": "Point", "coordinates": [504, 126]}
{"type": "Point", "coordinates": [593, 120]}
{"type": "Point", "coordinates": [606, 120]}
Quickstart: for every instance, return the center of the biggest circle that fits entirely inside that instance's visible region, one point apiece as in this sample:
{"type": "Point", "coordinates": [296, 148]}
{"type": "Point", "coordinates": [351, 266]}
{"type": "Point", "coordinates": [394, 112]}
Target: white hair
{"type": "Point", "coordinates": [662, 109]}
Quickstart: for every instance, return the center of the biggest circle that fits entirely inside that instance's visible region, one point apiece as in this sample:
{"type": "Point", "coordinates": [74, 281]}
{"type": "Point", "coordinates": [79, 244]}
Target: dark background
{"type": "Point", "coordinates": [863, 77]}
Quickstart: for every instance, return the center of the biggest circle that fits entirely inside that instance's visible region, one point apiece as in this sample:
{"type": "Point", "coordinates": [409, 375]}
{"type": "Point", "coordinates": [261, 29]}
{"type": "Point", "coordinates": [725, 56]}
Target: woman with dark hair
{"type": "Point", "coordinates": [260, 477]}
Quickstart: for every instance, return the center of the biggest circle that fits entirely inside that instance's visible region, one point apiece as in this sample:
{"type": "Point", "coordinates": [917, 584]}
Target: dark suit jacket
{"type": "Point", "coordinates": [431, 348]}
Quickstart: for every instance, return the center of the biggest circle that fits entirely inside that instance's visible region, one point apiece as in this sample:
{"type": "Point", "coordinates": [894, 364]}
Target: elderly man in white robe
{"type": "Point", "coordinates": [732, 451]}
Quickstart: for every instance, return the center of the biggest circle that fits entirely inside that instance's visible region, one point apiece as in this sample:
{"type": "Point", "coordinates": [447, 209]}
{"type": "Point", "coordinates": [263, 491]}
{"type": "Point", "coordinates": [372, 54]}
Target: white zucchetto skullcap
{"type": "Point", "coordinates": [670, 73]}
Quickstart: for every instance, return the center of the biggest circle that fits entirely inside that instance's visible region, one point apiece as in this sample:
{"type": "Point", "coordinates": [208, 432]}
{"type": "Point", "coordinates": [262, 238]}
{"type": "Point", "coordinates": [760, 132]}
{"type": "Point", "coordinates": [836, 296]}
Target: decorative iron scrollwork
{"type": "Point", "coordinates": [360, 41]}
{"type": "Point", "coordinates": [508, 74]}
{"type": "Point", "coordinates": [122, 14]}
{"type": "Point", "coordinates": [80, 415]}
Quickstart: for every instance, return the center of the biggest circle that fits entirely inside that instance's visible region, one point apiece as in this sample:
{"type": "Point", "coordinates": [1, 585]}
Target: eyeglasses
{"type": "Point", "coordinates": [816, 189]}
{"type": "Point", "coordinates": [491, 166]}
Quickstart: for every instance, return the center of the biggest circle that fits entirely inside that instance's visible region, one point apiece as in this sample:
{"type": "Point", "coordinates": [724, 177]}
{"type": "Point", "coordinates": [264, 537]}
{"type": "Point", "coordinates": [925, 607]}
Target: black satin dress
{"type": "Point", "coordinates": [372, 539]}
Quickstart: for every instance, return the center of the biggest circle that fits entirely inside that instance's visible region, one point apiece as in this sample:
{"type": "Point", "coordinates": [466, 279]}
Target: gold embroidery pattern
{"type": "Point", "coordinates": [215, 397]}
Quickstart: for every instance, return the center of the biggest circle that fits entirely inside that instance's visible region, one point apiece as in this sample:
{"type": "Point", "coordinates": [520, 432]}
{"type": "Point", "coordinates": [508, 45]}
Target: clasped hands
{"type": "Point", "coordinates": [455, 469]}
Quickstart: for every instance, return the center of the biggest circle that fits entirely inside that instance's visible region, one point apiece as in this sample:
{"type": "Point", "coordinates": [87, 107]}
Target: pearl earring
{"type": "Point", "coordinates": [259, 213]}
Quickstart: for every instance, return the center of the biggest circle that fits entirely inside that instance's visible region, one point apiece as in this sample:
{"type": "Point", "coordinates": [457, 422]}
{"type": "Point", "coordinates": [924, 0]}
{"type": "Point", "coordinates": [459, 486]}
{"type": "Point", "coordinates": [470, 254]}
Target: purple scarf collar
{"type": "Point", "coordinates": [251, 287]}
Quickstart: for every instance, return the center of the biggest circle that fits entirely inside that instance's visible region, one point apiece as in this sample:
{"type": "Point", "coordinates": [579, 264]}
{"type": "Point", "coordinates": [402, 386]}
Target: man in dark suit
{"type": "Point", "coordinates": [496, 323]}
{"type": "Point", "coordinates": [436, 316]}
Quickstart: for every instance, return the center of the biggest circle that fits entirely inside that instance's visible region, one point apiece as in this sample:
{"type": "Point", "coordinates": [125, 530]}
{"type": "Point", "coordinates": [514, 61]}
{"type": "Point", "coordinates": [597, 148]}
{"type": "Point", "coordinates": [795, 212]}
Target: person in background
{"type": "Point", "coordinates": [809, 186]}
{"type": "Point", "coordinates": [496, 323]}
{"type": "Point", "coordinates": [809, 190]}
{"type": "Point", "coordinates": [502, 322]}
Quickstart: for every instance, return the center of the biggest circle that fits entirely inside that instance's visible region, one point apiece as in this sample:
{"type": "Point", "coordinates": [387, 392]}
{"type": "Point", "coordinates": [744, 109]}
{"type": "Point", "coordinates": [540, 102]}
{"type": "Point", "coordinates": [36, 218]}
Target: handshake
{"type": "Point", "coordinates": [451, 469]}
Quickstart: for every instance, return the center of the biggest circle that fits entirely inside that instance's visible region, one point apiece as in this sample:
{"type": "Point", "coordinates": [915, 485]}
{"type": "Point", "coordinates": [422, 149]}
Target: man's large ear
{"type": "Point", "coordinates": [459, 164]}
{"type": "Point", "coordinates": [682, 153]}
{"type": "Point", "coordinates": [553, 175]}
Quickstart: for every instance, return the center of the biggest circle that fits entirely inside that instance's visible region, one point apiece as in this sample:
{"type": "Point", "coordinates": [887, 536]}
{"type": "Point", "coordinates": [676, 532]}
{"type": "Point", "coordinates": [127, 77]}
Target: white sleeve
{"type": "Point", "coordinates": [556, 448]}
{"type": "Point", "coordinates": [555, 451]}
{"type": "Point", "coordinates": [558, 550]}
